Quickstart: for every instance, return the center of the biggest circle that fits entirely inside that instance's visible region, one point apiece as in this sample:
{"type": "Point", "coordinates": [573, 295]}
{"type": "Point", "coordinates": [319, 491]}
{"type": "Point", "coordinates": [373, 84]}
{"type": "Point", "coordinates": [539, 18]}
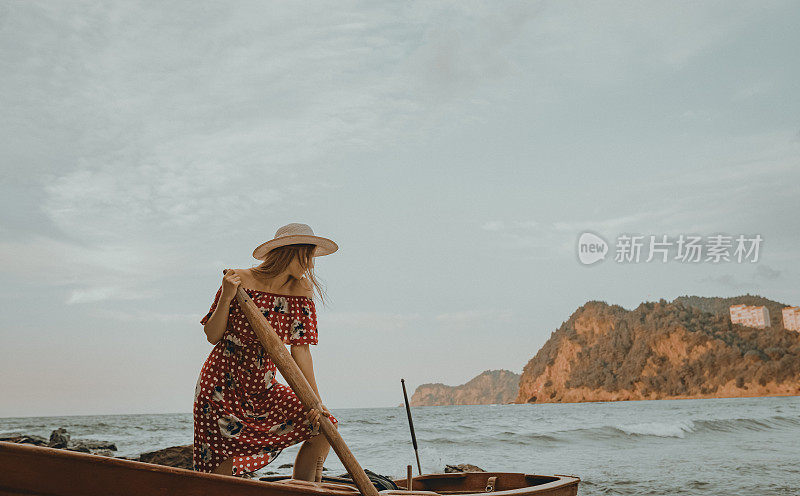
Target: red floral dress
{"type": "Point", "coordinates": [240, 410]}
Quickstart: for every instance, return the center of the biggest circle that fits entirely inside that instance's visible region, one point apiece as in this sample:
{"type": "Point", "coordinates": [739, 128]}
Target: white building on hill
{"type": "Point", "coordinates": [791, 318]}
{"type": "Point", "coordinates": [751, 316]}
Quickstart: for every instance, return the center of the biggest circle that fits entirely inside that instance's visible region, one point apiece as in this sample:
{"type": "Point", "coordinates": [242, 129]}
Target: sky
{"type": "Point", "coordinates": [455, 151]}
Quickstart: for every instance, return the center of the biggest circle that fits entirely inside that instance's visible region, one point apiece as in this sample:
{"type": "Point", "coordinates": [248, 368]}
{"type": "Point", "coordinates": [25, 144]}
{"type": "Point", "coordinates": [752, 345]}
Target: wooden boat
{"type": "Point", "coordinates": [34, 470]}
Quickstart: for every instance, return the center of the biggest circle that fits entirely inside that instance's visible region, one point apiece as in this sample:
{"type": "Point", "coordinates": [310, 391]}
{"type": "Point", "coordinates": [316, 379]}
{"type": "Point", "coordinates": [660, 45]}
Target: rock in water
{"type": "Point", "coordinates": [92, 445]}
{"type": "Point", "coordinates": [462, 467]}
{"type": "Point", "coordinates": [92, 451]}
{"type": "Point", "coordinates": [24, 439]}
{"type": "Point", "coordinates": [59, 438]}
{"type": "Point", "coordinates": [174, 456]}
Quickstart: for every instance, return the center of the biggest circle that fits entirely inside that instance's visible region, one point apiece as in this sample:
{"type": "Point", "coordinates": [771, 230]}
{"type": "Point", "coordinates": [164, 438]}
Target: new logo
{"type": "Point", "coordinates": [591, 248]}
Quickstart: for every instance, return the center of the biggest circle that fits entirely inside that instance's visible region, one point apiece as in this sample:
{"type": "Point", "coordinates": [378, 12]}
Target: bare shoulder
{"type": "Point", "coordinates": [305, 288]}
{"type": "Point", "coordinates": [248, 281]}
{"type": "Point", "coordinates": [244, 274]}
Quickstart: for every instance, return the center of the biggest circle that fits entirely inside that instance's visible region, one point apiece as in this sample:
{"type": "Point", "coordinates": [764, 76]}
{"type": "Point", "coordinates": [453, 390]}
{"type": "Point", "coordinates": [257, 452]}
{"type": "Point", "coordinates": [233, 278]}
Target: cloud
{"type": "Point", "coordinates": [168, 128]}
{"type": "Point", "coordinates": [611, 43]}
{"type": "Point", "coordinates": [713, 198]}
{"type": "Point", "coordinates": [474, 318]}
{"type": "Point", "coordinates": [64, 262]}
{"type": "Point", "coordinates": [556, 238]}
{"type": "Point", "coordinates": [138, 315]}
{"type": "Point", "coordinates": [766, 272]}
{"type": "Point", "coordinates": [95, 294]}
{"type": "Point", "coordinates": [466, 44]}
{"type": "Point", "coordinates": [753, 89]}
{"type": "Point", "coordinates": [493, 225]}
{"type": "Point", "coordinates": [147, 133]}
{"type": "Point", "coordinates": [371, 321]}
{"type": "Point", "coordinates": [761, 272]}
{"type": "Point", "coordinates": [729, 281]}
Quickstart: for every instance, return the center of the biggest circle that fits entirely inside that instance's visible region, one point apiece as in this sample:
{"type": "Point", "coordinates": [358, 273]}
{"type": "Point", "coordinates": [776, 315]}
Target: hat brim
{"type": "Point", "coordinates": [324, 246]}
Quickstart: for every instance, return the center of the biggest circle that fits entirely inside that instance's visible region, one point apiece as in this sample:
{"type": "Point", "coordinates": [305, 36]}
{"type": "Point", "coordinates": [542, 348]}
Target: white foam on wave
{"type": "Point", "coordinates": [660, 429]}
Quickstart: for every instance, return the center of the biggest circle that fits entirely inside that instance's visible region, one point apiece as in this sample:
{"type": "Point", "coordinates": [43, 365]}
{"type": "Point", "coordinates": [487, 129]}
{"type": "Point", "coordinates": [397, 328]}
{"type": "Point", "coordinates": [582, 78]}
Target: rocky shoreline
{"type": "Point", "coordinates": [60, 438]}
{"type": "Point", "coordinates": [174, 456]}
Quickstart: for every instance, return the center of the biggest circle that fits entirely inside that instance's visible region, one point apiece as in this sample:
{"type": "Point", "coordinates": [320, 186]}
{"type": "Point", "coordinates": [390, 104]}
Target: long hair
{"type": "Point", "coordinates": [279, 258]}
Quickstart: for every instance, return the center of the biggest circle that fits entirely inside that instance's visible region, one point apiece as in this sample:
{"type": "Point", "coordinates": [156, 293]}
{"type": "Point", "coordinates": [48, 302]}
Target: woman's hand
{"type": "Point", "coordinates": [230, 283]}
{"type": "Point", "coordinates": [314, 417]}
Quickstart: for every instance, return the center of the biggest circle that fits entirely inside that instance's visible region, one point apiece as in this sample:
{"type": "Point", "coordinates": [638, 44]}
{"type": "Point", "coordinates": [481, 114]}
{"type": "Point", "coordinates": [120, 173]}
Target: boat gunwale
{"type": "Point", "coordinates": [111, 462]}
{"type": "Point", "coordinates": [562, 482]}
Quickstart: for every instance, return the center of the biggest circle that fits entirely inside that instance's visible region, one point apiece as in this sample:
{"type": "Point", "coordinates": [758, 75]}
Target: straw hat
{"type": "Point", "coordinates": [296, 233]}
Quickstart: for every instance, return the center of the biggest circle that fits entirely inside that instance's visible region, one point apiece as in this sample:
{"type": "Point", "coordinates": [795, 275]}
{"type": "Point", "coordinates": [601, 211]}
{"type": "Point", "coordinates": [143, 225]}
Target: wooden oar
{"type": "Point", "coordinates": [297, 381]}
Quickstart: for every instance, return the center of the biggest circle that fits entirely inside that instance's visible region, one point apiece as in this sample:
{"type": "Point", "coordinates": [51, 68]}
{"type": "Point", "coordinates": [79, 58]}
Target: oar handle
{"type": "Point", "coordinates": [297, 381]}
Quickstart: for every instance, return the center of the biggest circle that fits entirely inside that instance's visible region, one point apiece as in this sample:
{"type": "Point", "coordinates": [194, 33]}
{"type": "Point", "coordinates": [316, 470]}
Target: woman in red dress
{"type": "Point", "coordinates": [243, 417]}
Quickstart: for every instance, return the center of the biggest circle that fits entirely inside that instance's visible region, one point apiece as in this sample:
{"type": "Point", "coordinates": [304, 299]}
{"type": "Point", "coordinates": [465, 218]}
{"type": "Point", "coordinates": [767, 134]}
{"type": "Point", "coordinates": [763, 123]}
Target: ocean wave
{"type": "Point", "coordinates": [489, 439]}
{"type": "Point", "coordinates": [664, 429]}
{"type": "Point", "coordinates": [657, 429]}
{"type": "Point", "coordinates": [367, 422]}
{"type": "Point", "coordinates": [681, 428]}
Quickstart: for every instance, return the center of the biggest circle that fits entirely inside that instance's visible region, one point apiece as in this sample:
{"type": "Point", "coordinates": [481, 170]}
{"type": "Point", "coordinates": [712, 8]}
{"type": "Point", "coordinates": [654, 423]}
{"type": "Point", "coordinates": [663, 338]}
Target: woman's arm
{"type": "Point", "coordinates": [218, 322]}
{"type": "Point", "coordinates": [302, 356]}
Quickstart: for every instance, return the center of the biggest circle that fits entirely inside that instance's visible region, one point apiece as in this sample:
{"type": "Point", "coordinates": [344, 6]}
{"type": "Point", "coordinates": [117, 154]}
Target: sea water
{"type": "Point", "coordinates": [733, 446]}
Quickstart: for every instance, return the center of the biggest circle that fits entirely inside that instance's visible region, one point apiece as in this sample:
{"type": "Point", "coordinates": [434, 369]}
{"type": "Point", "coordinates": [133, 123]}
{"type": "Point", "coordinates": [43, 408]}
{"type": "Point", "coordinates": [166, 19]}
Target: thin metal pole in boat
{"type": "Point", "coordinates": [411, 426]}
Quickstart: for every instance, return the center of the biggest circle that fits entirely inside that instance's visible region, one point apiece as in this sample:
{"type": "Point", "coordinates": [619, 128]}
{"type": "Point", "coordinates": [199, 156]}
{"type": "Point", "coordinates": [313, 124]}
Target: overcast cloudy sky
{"type": "Point", "coordinates": [454, 150]}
